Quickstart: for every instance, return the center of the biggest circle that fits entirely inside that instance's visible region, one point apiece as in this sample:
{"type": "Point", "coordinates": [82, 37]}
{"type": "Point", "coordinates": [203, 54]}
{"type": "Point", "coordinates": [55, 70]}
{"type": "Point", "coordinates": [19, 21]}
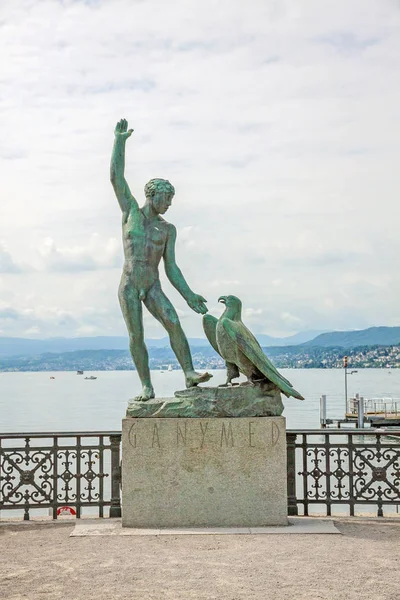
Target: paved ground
{"type": "Point", "coordinates": [41, 561]}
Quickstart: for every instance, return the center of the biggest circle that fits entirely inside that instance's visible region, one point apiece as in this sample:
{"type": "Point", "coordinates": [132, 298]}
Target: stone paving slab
{"type": "Point", "coordinates": [297, 525]}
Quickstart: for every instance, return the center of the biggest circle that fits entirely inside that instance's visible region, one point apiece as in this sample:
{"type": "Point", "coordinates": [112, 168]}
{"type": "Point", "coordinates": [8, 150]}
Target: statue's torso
{"type": "Point", "coordinates": [144, 243]}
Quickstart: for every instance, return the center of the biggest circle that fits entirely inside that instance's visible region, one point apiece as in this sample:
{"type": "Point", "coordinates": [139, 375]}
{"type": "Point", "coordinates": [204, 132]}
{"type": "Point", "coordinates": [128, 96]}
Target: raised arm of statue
{"type": "Point", "coordinates": [174, 274]}
{"type": "Point", "coordinates": [117, 170]}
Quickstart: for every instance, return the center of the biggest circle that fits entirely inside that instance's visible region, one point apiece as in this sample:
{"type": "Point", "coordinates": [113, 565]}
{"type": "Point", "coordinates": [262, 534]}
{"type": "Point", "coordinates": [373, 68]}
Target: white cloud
{"type": "Point", "coordinates": [186, 233]}
{"type": "Point", "coordinates": [250, 313]}
{"type": "Point", "coordinates": [7, 263]}
{"type": "Point", "coordinates": [292, 321]}
{"type": "Point", "coordinates": [87, 330]}
{"type": "Point", "coordinates": [31, 331]}
{"type": "Point", "coordinates": [49, 321]}
{"type": "Point", "coordinates": [221, 283]}
{"type": "Point", "coordinates": [278, 126]}
{"type": "Point", "coordinates": [95, 254]}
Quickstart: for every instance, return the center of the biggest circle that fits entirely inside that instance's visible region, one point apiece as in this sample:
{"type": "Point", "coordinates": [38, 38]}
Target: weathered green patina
{"type": "Point", "coordinates": [147, 238]}
{"type": "Point", "coordinates": [259, 396]}
{"type": "Point", "coordinates": [242, 353]}
{"type": "Point", "coordinates": [246, 400]}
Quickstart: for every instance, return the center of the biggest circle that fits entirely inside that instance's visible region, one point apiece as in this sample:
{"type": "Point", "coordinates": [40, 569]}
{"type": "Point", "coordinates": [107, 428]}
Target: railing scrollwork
{"type": "Point", "coordinates": [352, 468]}
{"type": "Point", "coordinates": [46, 470]}
{"type": "Point", "coordinates": [325, 468]}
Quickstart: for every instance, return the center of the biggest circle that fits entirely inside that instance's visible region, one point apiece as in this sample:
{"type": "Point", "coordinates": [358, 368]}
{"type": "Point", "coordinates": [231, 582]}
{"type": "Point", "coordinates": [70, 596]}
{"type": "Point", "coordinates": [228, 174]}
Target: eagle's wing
{"type": "Point", "coordinates": [244, 339]}
{"type": "Point", "coordinates": [210, 329]}
{"type": "Point", "coordinates": [257, 348]}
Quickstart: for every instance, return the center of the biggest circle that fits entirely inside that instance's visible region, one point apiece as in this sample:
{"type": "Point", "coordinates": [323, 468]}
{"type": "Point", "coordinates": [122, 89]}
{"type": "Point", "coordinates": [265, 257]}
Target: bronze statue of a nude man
{"type": "Point", "coordinates": [147, 238]}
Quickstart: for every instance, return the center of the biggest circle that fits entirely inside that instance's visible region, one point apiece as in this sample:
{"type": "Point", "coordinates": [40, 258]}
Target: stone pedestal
{"type": "Point", "coordinates": [215, 472]}
{"type": "Point", "coordinates": [208, 402]}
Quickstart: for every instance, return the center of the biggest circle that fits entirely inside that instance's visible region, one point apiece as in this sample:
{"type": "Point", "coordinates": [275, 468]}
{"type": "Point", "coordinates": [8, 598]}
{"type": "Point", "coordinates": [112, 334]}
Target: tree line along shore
{"type": "Point", "coordinates": [293, 357]}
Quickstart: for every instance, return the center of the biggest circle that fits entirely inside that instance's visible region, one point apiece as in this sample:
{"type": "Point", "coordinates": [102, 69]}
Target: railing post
{"type": "Point", "coordinates": [293, 510]}
{"type": "Point", "coordinates": [26, 507]}
{"type": "Point", "coordinates": [360, 417]}
{"type": "Point", "coordinates": [357, 396]}
{"type": "Point", "coordinates": [322, 410]}
{"type": "Point", "coordinates": [115, 507]}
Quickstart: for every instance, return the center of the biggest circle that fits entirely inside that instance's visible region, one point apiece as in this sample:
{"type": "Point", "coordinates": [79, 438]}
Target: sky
{"type": "Point", "coordinates": [277, 121]}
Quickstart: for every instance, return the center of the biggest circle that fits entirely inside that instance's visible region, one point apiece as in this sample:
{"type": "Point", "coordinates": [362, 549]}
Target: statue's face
{"type": "Point", "coordinates": [161, 202]}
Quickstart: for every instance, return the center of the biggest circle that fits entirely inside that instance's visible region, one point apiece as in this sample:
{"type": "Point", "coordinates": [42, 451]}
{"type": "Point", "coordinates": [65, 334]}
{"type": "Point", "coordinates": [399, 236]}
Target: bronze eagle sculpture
{"type": "Point", "coordinates": [240, 350]}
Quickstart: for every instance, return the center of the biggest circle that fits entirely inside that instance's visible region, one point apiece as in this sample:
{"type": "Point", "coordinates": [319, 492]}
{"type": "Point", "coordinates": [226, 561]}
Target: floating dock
{"type": "Point", "coordinates": [361, 411]}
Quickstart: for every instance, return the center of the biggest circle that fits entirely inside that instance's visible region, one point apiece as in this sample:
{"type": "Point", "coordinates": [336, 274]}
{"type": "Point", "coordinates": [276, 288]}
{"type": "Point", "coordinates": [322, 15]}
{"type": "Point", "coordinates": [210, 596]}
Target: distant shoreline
{"type": "Point", "coordinates": [105, 370]}
{"type": "Point", "coordinates": [289, 357]}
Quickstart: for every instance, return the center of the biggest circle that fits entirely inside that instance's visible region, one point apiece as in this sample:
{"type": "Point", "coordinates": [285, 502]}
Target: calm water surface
{"type": "Point", "coordinates": [34, 402]}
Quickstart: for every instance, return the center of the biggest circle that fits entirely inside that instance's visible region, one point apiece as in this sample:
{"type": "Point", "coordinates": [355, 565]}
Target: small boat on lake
{"type": "Point", "coordinates": [91, 377]}
{"type": "Point", "coordinates": [79, 372]}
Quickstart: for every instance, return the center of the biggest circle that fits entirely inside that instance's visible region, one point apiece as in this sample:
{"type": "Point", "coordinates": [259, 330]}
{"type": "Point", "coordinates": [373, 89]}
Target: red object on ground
{"type": "Point", "coordinates": [66, 509]}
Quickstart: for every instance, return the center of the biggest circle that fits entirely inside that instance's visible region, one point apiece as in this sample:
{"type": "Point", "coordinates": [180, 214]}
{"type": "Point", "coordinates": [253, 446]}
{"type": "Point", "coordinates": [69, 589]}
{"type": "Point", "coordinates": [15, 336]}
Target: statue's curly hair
{"type": "Point", "coordinates": [158, 185]}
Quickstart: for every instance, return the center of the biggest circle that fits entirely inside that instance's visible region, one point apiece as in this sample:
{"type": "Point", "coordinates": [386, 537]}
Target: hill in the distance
{"type": "Point", "coordinates": [10, 346]}
{"type": "Point", "coordinates": [373, 336]}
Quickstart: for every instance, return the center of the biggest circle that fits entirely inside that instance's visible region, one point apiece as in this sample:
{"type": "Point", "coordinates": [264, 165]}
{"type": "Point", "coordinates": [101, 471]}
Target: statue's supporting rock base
{"type": "Point", "coordinates": [204, 472]}
{"type": "Point", "coordinates": [204, 402]}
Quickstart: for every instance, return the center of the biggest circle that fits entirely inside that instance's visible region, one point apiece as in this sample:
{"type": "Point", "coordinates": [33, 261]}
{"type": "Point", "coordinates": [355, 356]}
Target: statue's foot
{"type": "Point", "coordinates": [193, 378]}
{"type": "Point", "coordinates": [146, 394]}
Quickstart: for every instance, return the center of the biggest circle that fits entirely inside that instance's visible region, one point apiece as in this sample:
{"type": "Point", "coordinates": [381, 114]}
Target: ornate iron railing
{"type": "Point", "coordinates": [326, 468]}
{"type": "Point", "coordinates": [353, 468]}
{"type": "Point", "coordinates": [59, 470]}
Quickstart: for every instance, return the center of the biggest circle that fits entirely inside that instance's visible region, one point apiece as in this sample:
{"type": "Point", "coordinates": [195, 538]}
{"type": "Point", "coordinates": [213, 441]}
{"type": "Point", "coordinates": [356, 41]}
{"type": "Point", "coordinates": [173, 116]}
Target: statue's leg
{"type": "Point", "coordinates": [232, 372]}
{"type": "Point", "coordinates": [162, 309]}
{"type": "Point", "coordinates": [131, 308]}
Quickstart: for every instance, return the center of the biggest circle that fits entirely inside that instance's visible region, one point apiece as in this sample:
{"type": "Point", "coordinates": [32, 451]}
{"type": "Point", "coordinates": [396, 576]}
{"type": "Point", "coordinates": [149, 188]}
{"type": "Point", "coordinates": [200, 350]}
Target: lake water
{"type": "Point", "coordinates": [32, 402]}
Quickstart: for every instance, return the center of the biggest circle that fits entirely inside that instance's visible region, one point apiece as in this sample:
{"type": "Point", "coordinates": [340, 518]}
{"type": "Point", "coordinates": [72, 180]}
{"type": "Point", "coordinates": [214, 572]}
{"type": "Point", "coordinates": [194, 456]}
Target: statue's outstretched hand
{"type": "Point", "coordinates": [197, 303]}
{"type": "Point", "coordinates": [122, 131]}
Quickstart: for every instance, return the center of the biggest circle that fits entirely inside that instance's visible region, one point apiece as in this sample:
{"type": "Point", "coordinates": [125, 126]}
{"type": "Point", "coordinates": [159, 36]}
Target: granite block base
{"type": "Point", "coordinates": [215, 472]}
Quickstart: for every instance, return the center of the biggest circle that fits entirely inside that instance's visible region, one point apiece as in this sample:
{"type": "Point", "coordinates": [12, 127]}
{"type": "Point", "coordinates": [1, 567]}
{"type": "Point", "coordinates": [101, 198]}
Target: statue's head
{"type": "Point", "coordinates": [233, 306]}
{"type": "Point", "coordinates": [159, 192]}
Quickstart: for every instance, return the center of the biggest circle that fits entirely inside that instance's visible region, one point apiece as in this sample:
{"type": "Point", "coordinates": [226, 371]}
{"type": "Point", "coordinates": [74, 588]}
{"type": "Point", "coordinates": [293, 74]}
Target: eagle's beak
{"type": "Point", "coordinates": [222, 299]}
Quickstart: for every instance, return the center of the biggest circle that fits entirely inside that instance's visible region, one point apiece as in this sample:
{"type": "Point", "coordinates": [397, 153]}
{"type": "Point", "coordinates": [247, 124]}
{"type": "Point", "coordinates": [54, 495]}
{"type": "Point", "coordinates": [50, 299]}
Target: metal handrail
{"type": "Point", "coordinates": [331, 430]}
{"type": "Point", "coordinates": [344, 431]}
{"type": "Point", "coordinates": [64, 434]}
